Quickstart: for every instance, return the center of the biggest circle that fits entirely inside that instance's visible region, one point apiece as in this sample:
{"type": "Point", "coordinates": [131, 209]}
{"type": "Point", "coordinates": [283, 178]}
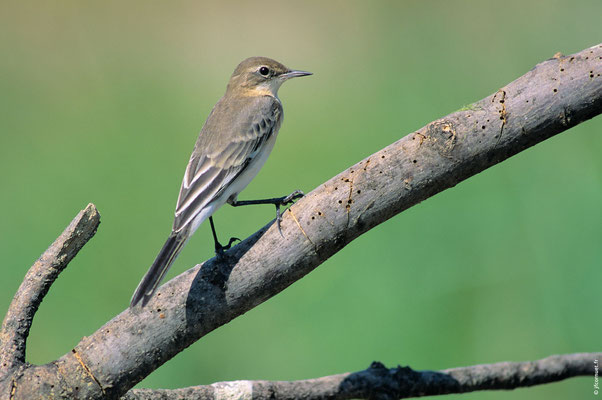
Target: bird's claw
{"type": "Point", "coordinates": [219, 249]}
{"type": "Point", "coordinates": [297, 194]}
{"type": "Point", "coordinates": [284, 201]}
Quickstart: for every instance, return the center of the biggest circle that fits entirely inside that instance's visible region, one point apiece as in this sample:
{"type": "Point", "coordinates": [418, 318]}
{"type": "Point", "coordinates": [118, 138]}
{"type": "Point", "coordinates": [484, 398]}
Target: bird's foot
{"type": "Point", "coordinates": [220, 250]}
{"type": "Point", "coordinates": [284, 201]}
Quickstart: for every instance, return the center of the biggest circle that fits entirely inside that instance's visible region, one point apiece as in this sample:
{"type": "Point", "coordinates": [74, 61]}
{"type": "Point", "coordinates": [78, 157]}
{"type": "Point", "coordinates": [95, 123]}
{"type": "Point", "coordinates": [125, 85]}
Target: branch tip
{"type": "Point", "coordinates": [37, 282]}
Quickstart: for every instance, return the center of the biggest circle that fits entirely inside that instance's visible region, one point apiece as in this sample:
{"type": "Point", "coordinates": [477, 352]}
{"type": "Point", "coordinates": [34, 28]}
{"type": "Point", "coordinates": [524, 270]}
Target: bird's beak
{"type": "Point", "coordinates": [294, 74]}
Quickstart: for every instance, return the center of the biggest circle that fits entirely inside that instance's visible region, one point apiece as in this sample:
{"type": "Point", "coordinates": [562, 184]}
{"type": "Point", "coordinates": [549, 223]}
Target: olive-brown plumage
{"type": "Point", "coordinates": [232, 146]}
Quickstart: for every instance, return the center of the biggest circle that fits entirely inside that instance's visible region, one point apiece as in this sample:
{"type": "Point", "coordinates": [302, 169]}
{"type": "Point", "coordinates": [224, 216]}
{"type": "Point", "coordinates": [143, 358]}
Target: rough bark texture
{"type": "Point", "coordinates": [36, 284]}
{"type": "Point", "coordinates": [378, 382]}
{"type": "Point", "coordinates": [556, 95]}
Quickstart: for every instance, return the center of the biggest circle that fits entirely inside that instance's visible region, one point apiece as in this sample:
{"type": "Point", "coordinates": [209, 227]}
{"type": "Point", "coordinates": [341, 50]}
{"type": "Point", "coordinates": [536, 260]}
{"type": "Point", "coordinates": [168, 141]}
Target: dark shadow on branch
{"type": "Point", "coordinates": [381, 383]}
{"type": "Point", "coordinates": [555, 95]}
{"type": "Point", "coordinates": [207, 292]}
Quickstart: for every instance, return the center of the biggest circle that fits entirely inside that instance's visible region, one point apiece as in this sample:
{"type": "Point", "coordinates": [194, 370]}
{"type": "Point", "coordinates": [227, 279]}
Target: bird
{"type": "Point", "coordinates": [233, 145]}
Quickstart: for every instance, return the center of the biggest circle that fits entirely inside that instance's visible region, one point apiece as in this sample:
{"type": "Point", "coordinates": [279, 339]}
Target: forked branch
{"type": "Point", "coordinates": [554, 96]}
{"type": "Point", "coordinates": [37, 282]}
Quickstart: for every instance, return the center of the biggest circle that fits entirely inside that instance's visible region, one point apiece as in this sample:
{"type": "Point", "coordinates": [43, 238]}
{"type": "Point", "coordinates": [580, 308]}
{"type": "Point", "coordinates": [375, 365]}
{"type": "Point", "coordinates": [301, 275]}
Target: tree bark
{"type": "Point", "coordinates": [378, 382]}
{"type": "Point", "coordinates": [554, 96]}
{"type": "Point", "coordinates": [36, 284]}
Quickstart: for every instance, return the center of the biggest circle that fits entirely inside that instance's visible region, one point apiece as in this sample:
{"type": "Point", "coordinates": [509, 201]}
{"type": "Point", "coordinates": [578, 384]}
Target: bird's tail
{"type": "Point", "coordinates": [157, 271]}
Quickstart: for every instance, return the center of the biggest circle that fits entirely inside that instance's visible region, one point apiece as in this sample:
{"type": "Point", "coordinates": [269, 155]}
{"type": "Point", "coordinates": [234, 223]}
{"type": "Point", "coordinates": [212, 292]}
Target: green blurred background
{"type": "Point", "coordinates": [102, 102]}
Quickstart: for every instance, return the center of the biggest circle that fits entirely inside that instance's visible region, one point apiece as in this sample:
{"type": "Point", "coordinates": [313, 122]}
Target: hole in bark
{"type": "Point", "coordinates": [359, 191]}
{"type": "Point", "coordinates": [561, 69]}
{"type": "Point", "coordinates": [319, 212]}
{"type": "Point", "coordinates": [340, 201]}
{"type": "Point", "coordinates": [555, 90]}
{"type": "Point", "coordinates": [483, 127]}
{"type": "Point", "coordinates": [313, 217]}
{"type": "Point", "coordinates": [414, 161]}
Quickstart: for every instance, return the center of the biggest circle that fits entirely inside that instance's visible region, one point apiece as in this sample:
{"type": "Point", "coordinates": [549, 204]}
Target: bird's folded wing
{"type": "Point", "coordinates": [216, 163]}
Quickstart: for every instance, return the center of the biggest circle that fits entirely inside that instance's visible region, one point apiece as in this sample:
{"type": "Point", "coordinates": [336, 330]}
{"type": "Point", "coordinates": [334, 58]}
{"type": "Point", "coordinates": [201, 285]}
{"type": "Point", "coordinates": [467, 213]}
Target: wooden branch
{"type": "Point", "coordinates": [37, 282]}
{"type": "Point", "coordinates": [556, 95]}
{"type": "Point", "coordinates": [378, 382]}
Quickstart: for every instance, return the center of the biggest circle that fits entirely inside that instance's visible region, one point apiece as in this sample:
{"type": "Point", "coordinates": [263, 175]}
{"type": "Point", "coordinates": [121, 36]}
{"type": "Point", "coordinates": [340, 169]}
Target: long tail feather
{"type": "Point", "coordinates": [157, 271]}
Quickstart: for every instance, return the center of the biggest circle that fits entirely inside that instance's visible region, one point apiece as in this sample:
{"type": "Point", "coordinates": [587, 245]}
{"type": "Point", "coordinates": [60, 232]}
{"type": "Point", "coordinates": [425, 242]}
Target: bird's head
{"type": "Point", "coordinates": [261, 75]}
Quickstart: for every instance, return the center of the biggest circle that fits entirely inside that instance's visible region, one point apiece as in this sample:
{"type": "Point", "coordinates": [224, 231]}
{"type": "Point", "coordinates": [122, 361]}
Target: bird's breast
{"type": "Point", "coordinates": [256, 162]}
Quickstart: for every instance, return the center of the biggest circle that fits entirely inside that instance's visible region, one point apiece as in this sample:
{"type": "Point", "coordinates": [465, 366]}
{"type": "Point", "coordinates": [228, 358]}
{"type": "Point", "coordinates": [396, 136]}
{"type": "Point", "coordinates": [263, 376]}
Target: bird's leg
{"type": "Point", "coordinates": [219, 249]}
{"type": "Point", "coordinates": [277, 201]}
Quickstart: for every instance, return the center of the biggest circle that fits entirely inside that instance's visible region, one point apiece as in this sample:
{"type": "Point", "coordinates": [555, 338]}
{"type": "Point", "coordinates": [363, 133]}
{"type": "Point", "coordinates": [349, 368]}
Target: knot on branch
{"type": "Point", "coordinates": [381, 383]}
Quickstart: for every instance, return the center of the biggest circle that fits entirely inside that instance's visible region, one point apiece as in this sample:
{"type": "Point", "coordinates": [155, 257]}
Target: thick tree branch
{"type": "Point", "coordinates": [37, 282]}
{"type": "Point", "coordinates": [378, 382]}
{"type": "Point", "coordinates": [556, 95]}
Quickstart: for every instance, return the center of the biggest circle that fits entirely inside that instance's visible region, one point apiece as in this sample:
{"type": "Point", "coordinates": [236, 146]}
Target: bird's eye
{"type": "Point", "coordinates": [265, 71]}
